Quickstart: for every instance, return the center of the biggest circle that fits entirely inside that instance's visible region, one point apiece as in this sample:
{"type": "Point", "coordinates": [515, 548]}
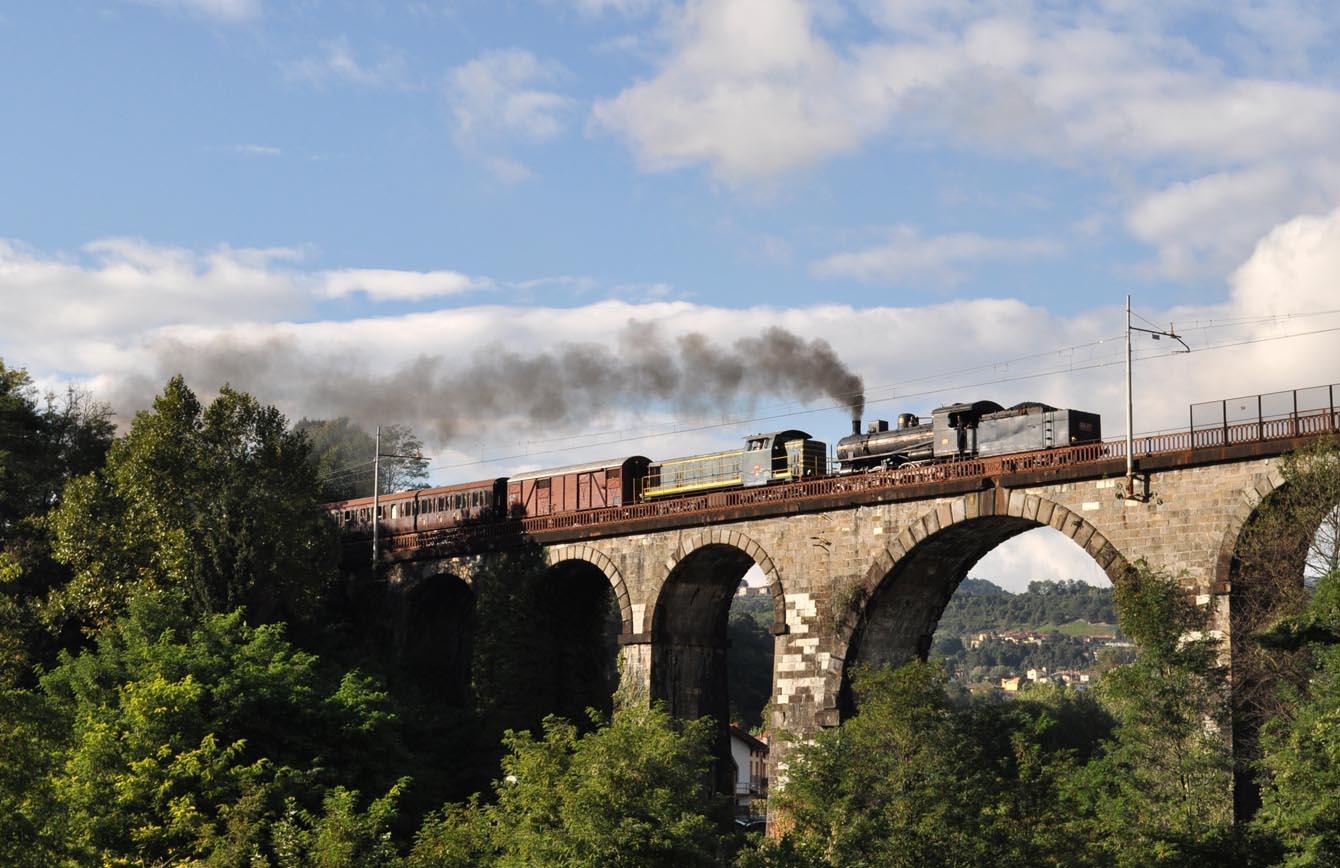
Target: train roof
{"type": "Point", "coordinates": [588, 467]}
{"type": "Point", "coordinates": [419, 492]}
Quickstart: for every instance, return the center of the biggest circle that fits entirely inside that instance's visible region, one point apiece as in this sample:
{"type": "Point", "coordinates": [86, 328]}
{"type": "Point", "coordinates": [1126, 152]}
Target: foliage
{"type": "Point", "coordinates": [912, 780]}
{"type": "Point", "coordinates": [546, 643]}
{"type": "Point", "coordinates": [1292, 539]}
{"type": "Point", "coordinates": [1160, 789]}
{"type": "Point", "coordinates": [1301, 750]}
{"type": "Point", "coordinates": [43, 443]}
{"type": "Point", "coordinates": [632, 793]}
{"type": "Point", "coordinates": [749, 667]}
{"type": "Point", "coordinates": [183, 739]}
{"type": "Point", "coordinates": [342, 455]}
{"type": "Point", "coordinates": [976, 609]}
{"type": "Point", "coordinates": [217, 501]}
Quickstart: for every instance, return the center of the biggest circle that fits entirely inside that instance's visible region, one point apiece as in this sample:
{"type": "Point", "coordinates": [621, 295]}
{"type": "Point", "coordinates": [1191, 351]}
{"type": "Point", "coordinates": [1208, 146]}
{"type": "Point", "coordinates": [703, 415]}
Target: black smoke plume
{"type": "Point", "coordinates": [459, 400]}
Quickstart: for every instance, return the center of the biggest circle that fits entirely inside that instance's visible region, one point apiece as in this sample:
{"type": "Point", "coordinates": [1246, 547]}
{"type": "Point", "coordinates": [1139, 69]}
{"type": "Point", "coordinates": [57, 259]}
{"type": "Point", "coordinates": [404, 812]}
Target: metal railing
{"type": "Point", "coordinates": [1226, 429]}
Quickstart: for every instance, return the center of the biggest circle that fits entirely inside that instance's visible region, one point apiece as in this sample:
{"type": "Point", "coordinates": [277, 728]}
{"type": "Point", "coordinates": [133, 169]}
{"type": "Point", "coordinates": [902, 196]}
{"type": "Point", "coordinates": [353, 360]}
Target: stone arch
{"type": "Point", "coordinates": [1251, 499]}
{"type": "Point", "coordinates": [432, 608]}
{"type": "Point", "coordinates": [590, 554]}
{"type": "Point", "coordinates": [1014, 512]}
{"type": "Point", "coordinates": [687, 624]}
{"type": "Point", "coordinates": [718, 536]}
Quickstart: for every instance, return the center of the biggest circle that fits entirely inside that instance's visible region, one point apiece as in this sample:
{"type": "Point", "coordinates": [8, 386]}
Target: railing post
{"type": "Point", "coordinates": [1293, 420]}
{"type": "Point", "coordinates": [1223, 415]}
{"type": "Point", "coordinates": [1260, 422]}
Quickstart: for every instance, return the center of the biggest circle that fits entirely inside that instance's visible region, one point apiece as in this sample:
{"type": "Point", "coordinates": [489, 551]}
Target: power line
{"type": "Point", "coordinates": [1071, 368]}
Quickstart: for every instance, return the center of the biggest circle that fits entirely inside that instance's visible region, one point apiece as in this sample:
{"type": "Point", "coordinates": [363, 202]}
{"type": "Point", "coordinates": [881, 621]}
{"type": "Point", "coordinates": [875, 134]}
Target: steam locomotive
{"type": "Point", "coordinates": [954, 432]}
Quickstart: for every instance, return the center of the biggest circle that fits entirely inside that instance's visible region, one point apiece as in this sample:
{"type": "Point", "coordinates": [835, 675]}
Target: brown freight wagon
{"type": "Point", "coordinates": [580, 486]}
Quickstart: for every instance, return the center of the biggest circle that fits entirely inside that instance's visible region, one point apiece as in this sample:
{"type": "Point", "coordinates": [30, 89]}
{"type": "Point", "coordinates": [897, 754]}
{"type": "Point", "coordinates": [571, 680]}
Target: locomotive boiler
{"type": "Point", "coordinates": [957, 431]}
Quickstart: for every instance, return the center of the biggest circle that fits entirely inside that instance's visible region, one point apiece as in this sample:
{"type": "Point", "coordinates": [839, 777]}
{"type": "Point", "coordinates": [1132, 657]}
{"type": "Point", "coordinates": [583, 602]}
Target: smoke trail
{"type": "Point", "coordinates": [451, 400]}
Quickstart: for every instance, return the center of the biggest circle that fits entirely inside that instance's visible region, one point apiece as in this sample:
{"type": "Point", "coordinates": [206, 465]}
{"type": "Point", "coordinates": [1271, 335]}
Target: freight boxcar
{"type": "Point", "coordinates": [577, 487]}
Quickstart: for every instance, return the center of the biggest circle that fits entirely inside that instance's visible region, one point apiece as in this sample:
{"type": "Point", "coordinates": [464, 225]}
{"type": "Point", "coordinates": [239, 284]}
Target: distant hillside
{"type": "Point", "coordinates": [1063, 619]}
{"type": "Point", "coordinates": [979, 605]}
{"type": "Point", "coordinates": [979, 587]}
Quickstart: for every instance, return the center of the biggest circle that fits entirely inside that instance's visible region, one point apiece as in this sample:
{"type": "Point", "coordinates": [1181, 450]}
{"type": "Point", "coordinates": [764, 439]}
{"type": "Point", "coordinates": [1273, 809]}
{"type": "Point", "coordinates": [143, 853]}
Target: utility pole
{"type": "Point", "coordinates": [377, 488]}
{"type": "Point", "coordinates": [1130, 403]}
{"type": "Point", "coordinates": [377, 485]}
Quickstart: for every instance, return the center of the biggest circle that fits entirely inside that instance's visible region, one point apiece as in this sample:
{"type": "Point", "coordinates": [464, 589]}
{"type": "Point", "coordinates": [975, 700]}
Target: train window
{"type": "Point", "coordinates": [614, 474]}
{"type": "Point", "coordinates": [395, 510]}
{"type": "Point", "coordinates": [348, 516]}
{"type": "Point", "coordinates": [381, 513]}
{"type": "Point", "coordinates": [488, 498]}
{"type": "Point", "coordinates": [758, 443]}
{"type": "Point", "coordinates": [542, 484]}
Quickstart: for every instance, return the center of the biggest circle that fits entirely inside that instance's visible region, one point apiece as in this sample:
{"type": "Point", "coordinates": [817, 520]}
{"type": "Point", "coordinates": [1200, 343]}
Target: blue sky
{"type": "Point", "coordinates": [315, 199]}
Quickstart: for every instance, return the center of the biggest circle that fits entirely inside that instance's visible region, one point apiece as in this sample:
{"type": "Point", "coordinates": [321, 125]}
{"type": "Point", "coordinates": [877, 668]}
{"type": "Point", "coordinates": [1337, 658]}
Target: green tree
{"type": "Point", "coordinates": [187, 739]}
{"type": "Point", "coordinates": [1293, 538]}
{"type": "Point", "coordinates": [912, 780]}
{"type": "Point", "coordinates": [1301, 748]}
{"type": "Point", "coordinates": [43, 444]}
{"type": "Point", "coordinates": [633, 793]}
{"type": "Point", "coordinates": [343, 456]}
{"type": "Point", "coordinates": [1159, 792]}
{"type": "Point", "coordinates": [219, 502]}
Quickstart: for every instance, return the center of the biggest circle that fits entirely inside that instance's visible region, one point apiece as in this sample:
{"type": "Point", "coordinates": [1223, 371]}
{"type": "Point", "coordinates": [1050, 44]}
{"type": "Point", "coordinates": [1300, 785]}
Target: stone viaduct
{"type": "Point", "coordinates": [860, 568]}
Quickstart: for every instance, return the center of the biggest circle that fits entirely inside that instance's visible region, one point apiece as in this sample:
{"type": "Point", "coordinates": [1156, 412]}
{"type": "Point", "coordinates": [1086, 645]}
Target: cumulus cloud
{"type": "Point", "coordinates": [907, 258]}
{"type": "Point", "coordinates": [257, 150]}
{"type": "Point", "coordinates": [218, 10]}
{"type": "Point", "coordinates": [754, 89]}
{"type": "Point", "coordinates": [337, 64]}
{"type": "Point", "coordinates": [618, 7]}
{"type": "Point", "coordinates": [127, 315]}
{"type": "Point", "coordinates": [1041, 554]}
{"type": "Point", "coordinates": [75, 313]}
{"type": "Point", "coordinates": [383, 284]}
{"type": "Point", "coordinates": [501, 97]}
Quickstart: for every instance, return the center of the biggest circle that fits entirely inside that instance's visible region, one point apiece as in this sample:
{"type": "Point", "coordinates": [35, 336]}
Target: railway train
{"type": "Point", "coordinates": [953, 432]}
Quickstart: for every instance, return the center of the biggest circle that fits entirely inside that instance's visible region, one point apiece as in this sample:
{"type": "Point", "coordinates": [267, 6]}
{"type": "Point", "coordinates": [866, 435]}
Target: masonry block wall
{"type": "Point", "coordinates": [868, 583]}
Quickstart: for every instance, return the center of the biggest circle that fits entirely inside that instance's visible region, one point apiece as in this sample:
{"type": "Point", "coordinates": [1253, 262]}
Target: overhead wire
{"type": "Point", "coordinates": [1071, 368]}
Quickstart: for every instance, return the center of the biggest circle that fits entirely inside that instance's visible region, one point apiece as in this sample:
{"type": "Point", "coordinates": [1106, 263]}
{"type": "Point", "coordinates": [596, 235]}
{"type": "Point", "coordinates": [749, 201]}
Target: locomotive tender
{"type": "Point", "coordinates": [954, 432]}
{"type": "Point", "coordinates": [957, 431]}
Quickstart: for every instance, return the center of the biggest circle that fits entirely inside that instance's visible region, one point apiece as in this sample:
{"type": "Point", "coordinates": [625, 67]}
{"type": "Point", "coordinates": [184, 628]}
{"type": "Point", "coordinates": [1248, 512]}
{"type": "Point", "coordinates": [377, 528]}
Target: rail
{"type": "Point", "coordinates": [1215, 434]}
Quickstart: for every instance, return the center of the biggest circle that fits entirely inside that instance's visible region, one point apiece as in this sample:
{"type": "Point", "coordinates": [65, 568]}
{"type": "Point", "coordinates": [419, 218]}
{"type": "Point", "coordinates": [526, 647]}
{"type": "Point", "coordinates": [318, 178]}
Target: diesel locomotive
{"type": "Point", "coordinates": [953, 432]}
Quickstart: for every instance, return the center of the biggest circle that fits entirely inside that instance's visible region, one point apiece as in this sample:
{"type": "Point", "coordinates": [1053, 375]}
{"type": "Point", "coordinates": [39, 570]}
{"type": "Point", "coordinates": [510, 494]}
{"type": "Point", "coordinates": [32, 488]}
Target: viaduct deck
{"type": "Point", "coordinates": [860, 566]}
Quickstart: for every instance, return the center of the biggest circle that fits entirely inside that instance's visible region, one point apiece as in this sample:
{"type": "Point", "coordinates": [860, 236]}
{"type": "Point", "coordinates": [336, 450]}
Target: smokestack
{"type": "Point", "coordinates": [856, 425]}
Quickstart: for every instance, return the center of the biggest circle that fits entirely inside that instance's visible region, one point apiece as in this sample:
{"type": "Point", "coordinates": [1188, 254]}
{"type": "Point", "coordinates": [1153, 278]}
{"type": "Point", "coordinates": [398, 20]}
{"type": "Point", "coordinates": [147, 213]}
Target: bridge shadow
{"type": "Point", "coordinates": [689, 644]}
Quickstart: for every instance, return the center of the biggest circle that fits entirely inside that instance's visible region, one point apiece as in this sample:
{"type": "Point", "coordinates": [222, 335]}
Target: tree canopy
{"type": "Point", "coordinates": [218, 502]}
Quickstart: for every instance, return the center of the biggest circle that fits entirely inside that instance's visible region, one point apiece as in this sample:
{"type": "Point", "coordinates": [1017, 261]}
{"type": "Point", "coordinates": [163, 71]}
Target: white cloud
{"type": "Point", "coordinates": [1203, 226]}
{"type": "Point", "coordinates": [754, 89]}
{"type": "Point", "coordinates": [337, 64]}
{"type": "Point", "coordinates": [907, 258]}
{"type": "Point", "coordinates": [218, 10]}
{"type": "Point", "coordinates": [499, 98]}
{"type": "Point", "coordinates": [382, 284]}
{"type": "Point", "coordinates": [1042, 554]}
{"type": "Point", "coordinates": [257, 150]}
{"type": "Point", "coordinates": [496, 95]}
{"type": "Point", "coordinates": [128, 314]}
{"type": "Point", "coordinates": [619, 7]}
{"type": "Point", "coordinates": [750, 90]}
